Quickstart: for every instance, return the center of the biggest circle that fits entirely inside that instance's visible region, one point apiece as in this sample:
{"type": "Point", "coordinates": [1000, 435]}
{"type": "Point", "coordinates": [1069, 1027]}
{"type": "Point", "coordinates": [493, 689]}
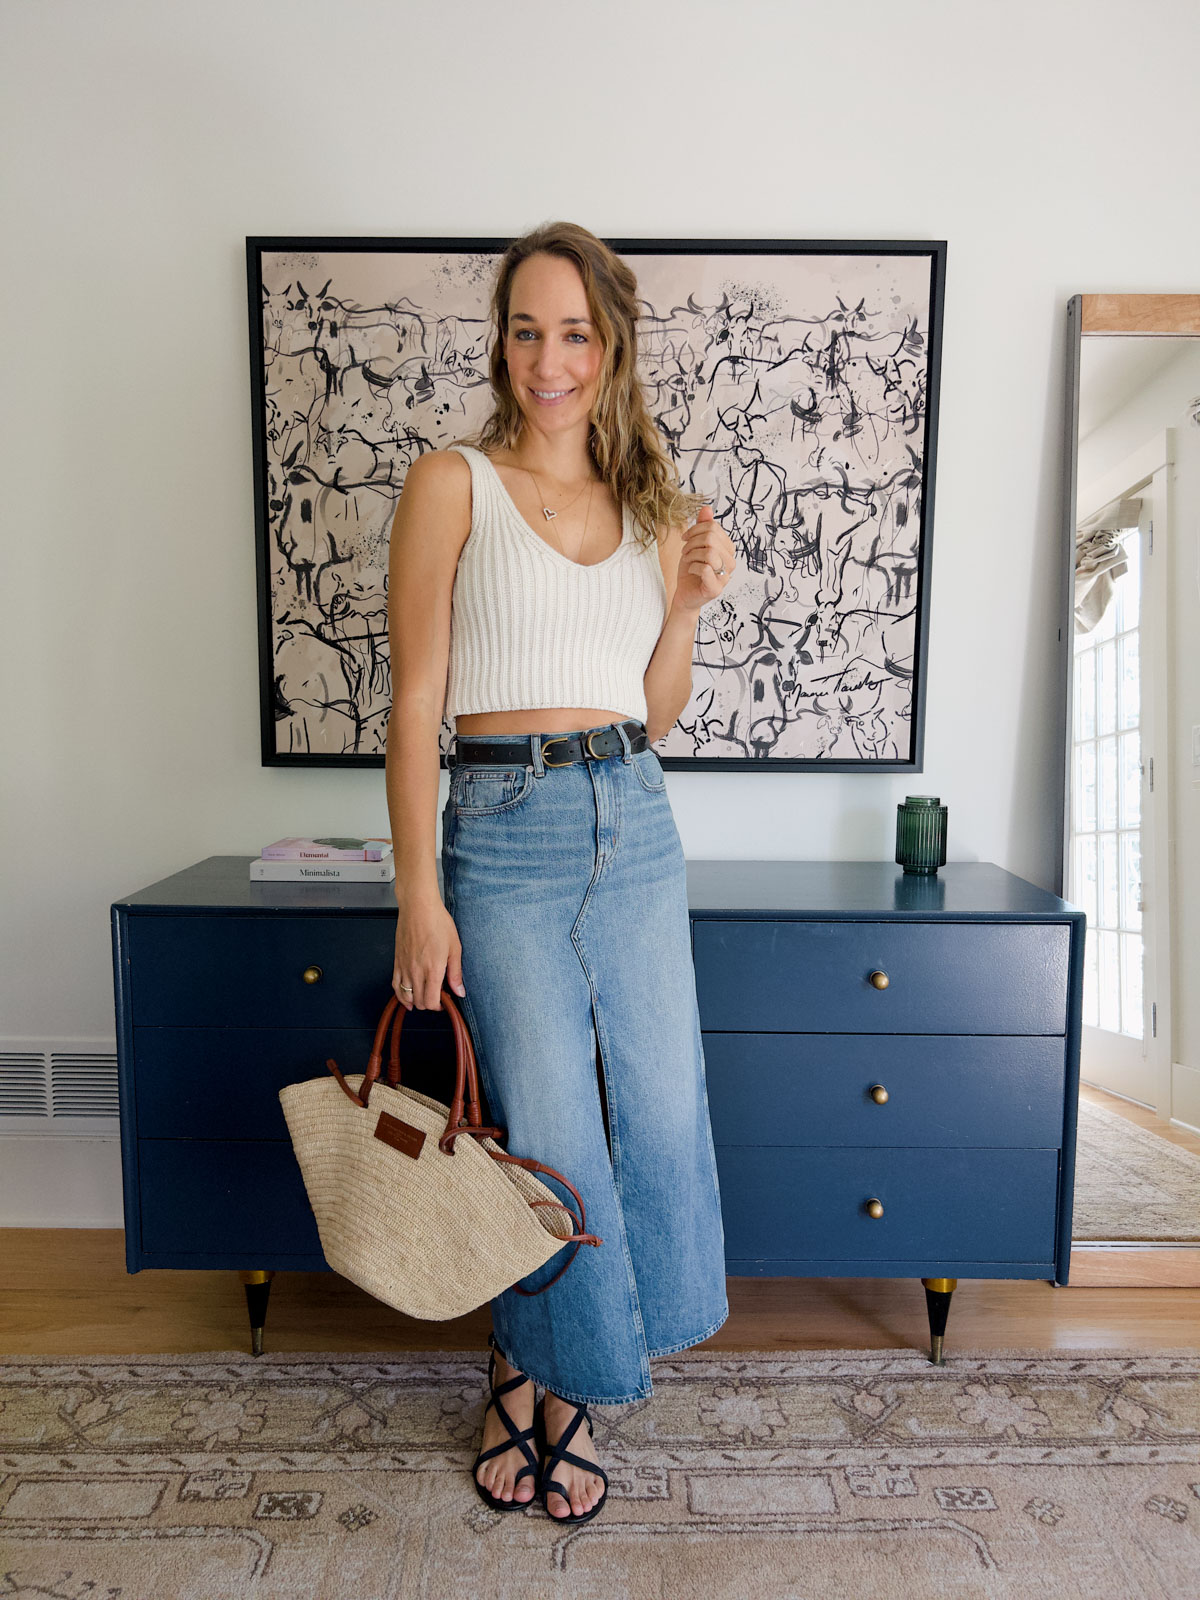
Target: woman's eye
{"type": "Point", "coordinates": [522, 331]}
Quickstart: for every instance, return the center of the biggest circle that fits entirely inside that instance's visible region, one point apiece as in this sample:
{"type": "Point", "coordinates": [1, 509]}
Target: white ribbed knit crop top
{"type": "Point", "coordinates": [529, 627]}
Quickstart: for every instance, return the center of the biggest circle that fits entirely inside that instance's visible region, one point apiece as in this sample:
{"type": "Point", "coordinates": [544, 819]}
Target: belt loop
{"type": "Point", "coordinates": [535, 753]}
{"type": "Point", "coordinates": [626, 755]}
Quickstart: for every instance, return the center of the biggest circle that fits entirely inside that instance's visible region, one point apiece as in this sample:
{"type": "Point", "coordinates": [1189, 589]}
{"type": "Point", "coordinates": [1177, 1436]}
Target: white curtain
{"type": "Point", "coordinates": [1100, 558]}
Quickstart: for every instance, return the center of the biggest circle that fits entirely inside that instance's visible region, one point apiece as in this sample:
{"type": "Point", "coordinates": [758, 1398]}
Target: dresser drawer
{"type": "Point", "coordinates": [809, 1204]}
{"type": "Point", "coordinates": [202, 1197]}
{"type": "Point", "coordinates": [248, 971]}
{"type": "Point", "coordinates": [224, 1083]}
{"type": "Point", "coordinates": [803, 976]}
{"type": "Point", "coordinates": [942, 1089]}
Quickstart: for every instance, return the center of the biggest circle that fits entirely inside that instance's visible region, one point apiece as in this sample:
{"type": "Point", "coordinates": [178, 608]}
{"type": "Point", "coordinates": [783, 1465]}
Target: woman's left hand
{"type": "Point", "coordinates": [706, 563]}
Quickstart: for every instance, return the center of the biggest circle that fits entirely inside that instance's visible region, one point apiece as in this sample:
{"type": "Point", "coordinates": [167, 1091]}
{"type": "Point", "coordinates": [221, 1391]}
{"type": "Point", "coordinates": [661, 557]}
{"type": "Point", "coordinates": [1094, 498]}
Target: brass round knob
{"type": "Point", "coordinates": [879, 1094]}
{"type": "Point", "coordinates": [879, 979]}
{"type": "Point", "coordinates": [311, 974]}
{"type": "Point", "coordinates": [875, 1208]}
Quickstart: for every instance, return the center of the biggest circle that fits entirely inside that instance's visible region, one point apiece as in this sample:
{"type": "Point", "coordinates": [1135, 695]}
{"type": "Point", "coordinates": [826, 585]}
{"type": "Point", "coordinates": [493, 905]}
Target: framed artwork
{"type": "Point", "coordinates": [795, 384]}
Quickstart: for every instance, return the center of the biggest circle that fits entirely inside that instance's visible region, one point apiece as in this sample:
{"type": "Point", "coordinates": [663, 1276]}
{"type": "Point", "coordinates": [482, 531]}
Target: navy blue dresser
{"type": "Point", "coordinates": [892, 1065]}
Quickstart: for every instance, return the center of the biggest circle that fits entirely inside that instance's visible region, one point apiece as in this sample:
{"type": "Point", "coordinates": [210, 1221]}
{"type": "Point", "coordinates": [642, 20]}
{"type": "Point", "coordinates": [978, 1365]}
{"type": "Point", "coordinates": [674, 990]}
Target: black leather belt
{"type": "Point", "coordinates": [558, 749]}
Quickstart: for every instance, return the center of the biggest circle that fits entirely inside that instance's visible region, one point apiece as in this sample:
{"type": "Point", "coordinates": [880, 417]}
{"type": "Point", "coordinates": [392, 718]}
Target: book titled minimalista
{"type": "Point", "coordinates": [295, 871]}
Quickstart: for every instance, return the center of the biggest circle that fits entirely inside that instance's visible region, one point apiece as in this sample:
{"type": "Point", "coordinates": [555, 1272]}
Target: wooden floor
{"type": "Point", "coordinates": [66, 1291]}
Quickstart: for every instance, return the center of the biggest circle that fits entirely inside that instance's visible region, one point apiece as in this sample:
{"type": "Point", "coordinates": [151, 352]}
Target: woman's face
{"type": "Point", "coordinates": [551, 344]}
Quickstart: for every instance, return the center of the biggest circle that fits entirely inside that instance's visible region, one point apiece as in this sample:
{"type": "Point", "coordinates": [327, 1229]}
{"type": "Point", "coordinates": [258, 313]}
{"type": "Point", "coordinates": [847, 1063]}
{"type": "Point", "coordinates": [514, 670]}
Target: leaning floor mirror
{"type": "Point", "coordinates": [1130, 715]}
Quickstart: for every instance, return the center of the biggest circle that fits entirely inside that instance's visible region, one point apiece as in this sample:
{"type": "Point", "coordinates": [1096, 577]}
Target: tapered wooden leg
{"type": "Point", "coordinates": [258, 1292]}
{"type": "Point", "coordinates": [937, 1304]}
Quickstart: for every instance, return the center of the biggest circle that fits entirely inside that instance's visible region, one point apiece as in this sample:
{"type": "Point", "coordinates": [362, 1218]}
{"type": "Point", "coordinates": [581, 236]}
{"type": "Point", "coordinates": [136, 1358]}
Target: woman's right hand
{"type": "Point", "coordinates": [428, 953]}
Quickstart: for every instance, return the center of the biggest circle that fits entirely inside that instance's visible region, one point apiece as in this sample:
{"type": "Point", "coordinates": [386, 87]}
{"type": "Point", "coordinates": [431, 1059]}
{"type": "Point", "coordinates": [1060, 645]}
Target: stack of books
{"type": "Point", "coordinates": [325, 861]}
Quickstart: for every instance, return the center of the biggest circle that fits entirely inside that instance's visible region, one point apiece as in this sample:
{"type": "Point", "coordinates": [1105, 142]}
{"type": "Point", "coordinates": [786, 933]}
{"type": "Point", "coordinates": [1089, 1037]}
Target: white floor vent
{"type": "Point", "coordinates": [68, 1086]}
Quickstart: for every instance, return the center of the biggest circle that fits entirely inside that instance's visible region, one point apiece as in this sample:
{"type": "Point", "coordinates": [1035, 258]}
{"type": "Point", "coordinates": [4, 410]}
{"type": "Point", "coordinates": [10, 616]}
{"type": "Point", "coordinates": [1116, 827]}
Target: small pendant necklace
{"type": "Point", "coordinates": [550, 515]}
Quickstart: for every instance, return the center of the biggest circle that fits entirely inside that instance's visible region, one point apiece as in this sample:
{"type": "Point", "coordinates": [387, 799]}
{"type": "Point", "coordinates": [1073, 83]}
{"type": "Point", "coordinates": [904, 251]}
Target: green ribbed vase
{"type": "Point", "coordinates": [921, 833]}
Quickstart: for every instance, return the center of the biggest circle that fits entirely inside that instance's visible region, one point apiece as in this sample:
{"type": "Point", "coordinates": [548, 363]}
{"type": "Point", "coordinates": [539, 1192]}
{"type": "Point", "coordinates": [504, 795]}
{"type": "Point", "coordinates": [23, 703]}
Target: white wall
{"type": "Point", "coordinates": [145, 141]}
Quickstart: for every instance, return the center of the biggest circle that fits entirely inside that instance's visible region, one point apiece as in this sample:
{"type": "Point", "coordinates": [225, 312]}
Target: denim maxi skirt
{"type": "Point", "coordinates": [567, 886]}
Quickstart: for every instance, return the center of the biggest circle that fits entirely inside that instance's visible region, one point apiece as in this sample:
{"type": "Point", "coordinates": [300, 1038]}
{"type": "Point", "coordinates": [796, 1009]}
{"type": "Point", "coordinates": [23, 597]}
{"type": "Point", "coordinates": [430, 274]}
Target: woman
{"type": "Point", "coordinates": [544, 589]}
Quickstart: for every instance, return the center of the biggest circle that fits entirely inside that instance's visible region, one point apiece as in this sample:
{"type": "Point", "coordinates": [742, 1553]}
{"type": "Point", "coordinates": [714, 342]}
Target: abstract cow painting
{"type": "Point", "coordinates": [795, 386]}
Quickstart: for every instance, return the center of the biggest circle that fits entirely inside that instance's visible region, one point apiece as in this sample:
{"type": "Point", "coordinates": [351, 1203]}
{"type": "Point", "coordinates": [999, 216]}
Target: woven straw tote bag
{"type": "Point", "coordinates": [415, 1202]}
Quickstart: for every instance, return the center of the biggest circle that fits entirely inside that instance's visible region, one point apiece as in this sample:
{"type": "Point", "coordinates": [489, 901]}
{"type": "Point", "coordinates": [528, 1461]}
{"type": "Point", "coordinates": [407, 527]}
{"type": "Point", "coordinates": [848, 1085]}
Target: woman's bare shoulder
{"type": "Point", "coordinates": [448, 465]}
{"type": "Point", "coordinates": [437, 493]}
{"type": "Point", "coordinates": [442, 475]}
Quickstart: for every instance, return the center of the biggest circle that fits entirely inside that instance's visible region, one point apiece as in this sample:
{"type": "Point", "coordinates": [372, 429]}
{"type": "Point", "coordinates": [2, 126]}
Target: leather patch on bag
{"type": "Point", "coordinates": [401, 1136]}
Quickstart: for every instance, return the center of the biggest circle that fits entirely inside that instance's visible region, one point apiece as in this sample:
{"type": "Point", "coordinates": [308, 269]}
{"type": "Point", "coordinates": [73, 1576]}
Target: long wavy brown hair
{"type": "Point", "coordinates": [624, 442]}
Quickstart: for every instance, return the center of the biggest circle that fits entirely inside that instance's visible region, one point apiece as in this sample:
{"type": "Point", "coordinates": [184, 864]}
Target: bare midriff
{"type": "Point", "coordinates": [550, 719]}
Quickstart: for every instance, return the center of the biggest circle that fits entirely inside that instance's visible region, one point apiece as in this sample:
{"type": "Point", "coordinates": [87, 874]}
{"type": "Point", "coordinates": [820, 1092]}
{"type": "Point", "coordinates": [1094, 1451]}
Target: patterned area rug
{"type": "Point", "coordinates": [1132, 1185]}
{"type": "Point", "coordinates": [748, 1476]}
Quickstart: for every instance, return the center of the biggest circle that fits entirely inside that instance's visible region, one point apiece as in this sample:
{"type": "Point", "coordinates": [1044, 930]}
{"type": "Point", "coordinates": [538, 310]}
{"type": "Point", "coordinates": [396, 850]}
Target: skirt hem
{"type": "Point", "coordinates": [624, 1399]}
{"type": "Point", "coordinates": [584, 1399]}
{"type": "Point", "coordinates": [674, 1349]}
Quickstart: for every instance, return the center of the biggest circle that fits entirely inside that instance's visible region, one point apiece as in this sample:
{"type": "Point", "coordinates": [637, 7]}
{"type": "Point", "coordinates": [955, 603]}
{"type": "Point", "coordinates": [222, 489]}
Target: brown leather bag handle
{"type": "Point", "coordinates": [466, 1082]}
{"type": "Point", "coordinates": [577, 1238]}
{"type": "Point", "coordinates": [466, 1089]}
{"type": "Point", "coordinates": [462, 1038]}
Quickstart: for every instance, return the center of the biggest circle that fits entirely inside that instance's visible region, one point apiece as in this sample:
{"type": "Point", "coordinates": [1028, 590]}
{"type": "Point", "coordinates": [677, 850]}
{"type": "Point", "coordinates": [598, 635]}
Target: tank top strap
{"type": "Point", "coordinates": [484, 498]}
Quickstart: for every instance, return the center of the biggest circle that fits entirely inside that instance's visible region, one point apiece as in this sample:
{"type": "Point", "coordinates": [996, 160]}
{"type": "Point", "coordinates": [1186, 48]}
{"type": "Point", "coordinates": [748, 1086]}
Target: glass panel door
{"type": "Point", "coordinates": [1105, 876]}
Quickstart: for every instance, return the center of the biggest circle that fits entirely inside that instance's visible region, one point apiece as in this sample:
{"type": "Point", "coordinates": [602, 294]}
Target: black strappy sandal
{"type": "Point", "coordinates": [518, 1439]}
{"type": "Point", "coordinates": [559, 1452]}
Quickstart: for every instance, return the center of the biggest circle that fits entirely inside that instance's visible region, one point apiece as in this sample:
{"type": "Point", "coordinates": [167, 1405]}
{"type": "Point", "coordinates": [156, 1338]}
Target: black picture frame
{"type": "Point", "coordinates": [876, 314]}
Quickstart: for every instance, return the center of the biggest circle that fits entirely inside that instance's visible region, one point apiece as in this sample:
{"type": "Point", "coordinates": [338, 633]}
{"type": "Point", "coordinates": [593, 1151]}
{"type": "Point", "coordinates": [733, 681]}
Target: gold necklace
{"type": "Point", "coordinates": [546, 511]}
{"type": "Point", "coordinates": [550, 515]}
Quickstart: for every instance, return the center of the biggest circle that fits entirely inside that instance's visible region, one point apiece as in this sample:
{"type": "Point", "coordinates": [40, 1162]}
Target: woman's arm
{"type": "Point", "coordinates": [430, 527]}
{"type": "Point", "coordinates": [690, 558]}
{"type": "Point", "coordinates": [668, 679]}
